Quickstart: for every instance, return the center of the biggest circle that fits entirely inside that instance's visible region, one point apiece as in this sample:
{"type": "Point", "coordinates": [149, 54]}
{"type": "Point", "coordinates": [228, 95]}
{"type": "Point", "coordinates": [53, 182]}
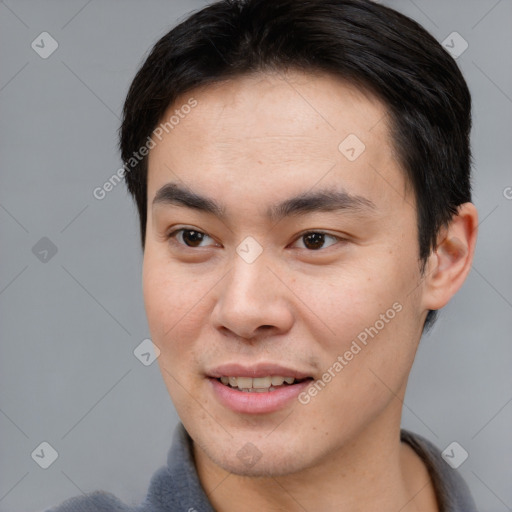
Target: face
{"type": "Point", "coordinates": [281, 242]}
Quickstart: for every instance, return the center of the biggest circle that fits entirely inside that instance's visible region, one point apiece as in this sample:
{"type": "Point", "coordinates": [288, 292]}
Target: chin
{"type": "Point", "coordinates": [269, 465]}
{"type": "Point", "coordinates": [260, 457]}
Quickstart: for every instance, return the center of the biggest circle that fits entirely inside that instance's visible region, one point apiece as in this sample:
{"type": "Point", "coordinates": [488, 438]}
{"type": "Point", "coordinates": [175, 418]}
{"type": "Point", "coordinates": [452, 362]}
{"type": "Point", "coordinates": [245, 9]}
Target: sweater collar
{"type": "Point", "coordinates": [177, 486]}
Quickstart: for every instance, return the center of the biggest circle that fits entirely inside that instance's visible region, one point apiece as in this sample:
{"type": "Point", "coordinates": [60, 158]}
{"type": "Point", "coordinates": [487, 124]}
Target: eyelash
{"type": "Point", "coordinates": [173, 234]}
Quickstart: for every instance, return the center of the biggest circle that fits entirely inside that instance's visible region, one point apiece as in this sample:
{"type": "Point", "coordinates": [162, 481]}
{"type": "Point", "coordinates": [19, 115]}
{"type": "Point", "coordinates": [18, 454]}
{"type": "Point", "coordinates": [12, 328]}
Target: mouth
{"type": "Point", "coordinates": [259, 389]}
{"type": "Point", "coordinates": [266, 384]}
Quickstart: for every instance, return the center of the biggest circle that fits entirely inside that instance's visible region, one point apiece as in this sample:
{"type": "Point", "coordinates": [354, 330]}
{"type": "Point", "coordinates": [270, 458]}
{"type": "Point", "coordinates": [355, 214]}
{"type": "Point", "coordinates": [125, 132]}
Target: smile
{"type": "Point", "coordinates": [258, 384]}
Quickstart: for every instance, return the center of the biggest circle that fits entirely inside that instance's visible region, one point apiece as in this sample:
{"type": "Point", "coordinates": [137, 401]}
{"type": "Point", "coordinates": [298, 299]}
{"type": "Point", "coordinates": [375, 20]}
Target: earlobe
{"type": "Point", "coordinates": [450, 263]}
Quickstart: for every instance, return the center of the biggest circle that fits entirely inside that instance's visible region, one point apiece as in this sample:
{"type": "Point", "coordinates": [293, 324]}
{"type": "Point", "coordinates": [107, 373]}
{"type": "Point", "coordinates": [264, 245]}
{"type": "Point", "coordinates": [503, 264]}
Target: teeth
{"type": "Point", "coordinates": [244, 382]}
{"type": "Point", "coordinates": [257, 384]}
{"type": "Point", "coordinates": [262, 382]}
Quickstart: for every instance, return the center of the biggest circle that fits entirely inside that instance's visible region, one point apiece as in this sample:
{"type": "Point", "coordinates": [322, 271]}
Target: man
{"type": "Point", "coordinates": [302, 174]}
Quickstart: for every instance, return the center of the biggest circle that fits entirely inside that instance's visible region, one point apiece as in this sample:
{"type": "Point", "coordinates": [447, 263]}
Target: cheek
{"type": "Point", "coordinates": [165, 303]}
{"type": "Point", "coordinates": [173, 309]}
{"type": "Point", "coordinates": [170, 293]}
{"type": "Point", "coordinates": [367, 358]}
{"type": "Point", "coordinates": [369, 317]}
{"type": "Point", "coordinates": [350, 299]}
{"type": "Point", "coordinates": [177, 307]}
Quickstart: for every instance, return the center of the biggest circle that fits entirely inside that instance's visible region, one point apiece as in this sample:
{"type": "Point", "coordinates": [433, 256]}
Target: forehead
{"type": "Point", "coordinates": [282, 132]}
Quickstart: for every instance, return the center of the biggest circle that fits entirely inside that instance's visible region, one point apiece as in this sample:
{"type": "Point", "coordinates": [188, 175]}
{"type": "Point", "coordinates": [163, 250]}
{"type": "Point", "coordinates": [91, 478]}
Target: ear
{"type": "Point", "coordinates": [449, 264]}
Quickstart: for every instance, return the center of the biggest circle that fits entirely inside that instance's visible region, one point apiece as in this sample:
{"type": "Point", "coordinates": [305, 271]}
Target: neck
{"type": "Point", "coordinates": [373, 471]}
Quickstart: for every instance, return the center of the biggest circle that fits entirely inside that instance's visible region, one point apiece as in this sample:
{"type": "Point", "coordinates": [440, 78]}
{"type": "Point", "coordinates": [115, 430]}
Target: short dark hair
{"type": "Point", "coordinates": [365, 43]}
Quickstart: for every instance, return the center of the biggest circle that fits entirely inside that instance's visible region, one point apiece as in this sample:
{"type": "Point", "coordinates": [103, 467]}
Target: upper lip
{"type": "Point", "coordinates": [255, 370]}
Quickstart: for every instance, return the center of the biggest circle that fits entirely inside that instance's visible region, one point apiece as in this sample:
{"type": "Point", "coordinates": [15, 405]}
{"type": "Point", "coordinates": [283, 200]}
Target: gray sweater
{"type": "Point", "coordinates": [176, 487]}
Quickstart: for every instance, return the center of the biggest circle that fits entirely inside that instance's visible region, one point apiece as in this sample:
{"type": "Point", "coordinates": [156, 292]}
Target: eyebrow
{"type": "Point", "coordinates": [325, 200]}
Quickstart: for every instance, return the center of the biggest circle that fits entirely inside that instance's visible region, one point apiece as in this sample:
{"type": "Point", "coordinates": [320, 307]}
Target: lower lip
{"type": "Point", "coordinates": [254, 402]}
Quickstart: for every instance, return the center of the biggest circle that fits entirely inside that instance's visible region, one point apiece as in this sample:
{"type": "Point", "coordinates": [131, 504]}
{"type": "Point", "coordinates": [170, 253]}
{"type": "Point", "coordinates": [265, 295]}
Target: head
{"type": "Point", "coordinates": [335, 135]}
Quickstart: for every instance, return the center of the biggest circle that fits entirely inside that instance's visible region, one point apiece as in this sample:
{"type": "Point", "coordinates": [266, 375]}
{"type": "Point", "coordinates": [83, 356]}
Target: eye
{"type": "Point", "coordinates": [189, 237]}
{"type": "Point", "coordinates": [192, 238]}
{"type": "Point", "coordinates": [314, 240]}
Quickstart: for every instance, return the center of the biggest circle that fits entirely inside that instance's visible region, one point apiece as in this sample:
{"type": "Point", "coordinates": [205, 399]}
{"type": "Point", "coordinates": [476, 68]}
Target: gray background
{"type": "Point", "coordinates": [69, 325]}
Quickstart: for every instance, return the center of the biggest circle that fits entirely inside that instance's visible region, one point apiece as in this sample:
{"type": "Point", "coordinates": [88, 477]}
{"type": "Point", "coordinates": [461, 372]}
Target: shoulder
{"type": "Point", "coordinates": [174, 486]}
{"type": "Point", "coordinates": [98, 501]}
{"type": "Point", "coordinates": [452, 491]}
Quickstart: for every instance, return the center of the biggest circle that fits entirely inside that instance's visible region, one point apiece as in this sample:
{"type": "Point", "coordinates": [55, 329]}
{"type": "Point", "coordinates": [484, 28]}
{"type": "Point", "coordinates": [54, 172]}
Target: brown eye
{"type": "Point", "coordinates": [315, 240]}
{"type": "Point", "coordinates": [192, 238]}
{"type": "Point", "coordinates": [189, 237]}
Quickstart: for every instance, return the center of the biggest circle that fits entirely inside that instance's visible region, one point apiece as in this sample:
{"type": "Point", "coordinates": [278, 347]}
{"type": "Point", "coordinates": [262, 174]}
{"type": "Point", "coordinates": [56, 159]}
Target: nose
{"type": "Point", "coordinates": [253, 301]}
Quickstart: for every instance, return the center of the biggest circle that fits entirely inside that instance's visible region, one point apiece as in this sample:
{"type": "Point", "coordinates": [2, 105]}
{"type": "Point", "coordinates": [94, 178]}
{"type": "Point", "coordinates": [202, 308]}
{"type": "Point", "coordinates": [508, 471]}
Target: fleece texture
{"type": "Point", "coordinates": [176, 486]}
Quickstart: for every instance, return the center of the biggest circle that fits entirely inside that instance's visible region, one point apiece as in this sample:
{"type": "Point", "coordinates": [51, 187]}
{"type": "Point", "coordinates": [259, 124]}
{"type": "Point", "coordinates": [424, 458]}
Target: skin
{"type": "Point", "coordinates": [249, 143]}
